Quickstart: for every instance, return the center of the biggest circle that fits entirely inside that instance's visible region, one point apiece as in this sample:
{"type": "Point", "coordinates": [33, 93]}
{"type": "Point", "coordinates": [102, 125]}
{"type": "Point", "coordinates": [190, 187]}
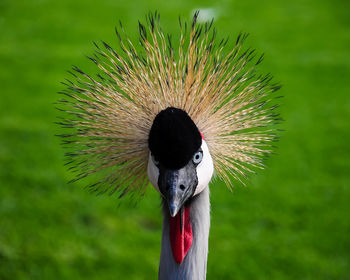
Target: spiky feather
{"type": "Point", "coordinates": [110, 116]}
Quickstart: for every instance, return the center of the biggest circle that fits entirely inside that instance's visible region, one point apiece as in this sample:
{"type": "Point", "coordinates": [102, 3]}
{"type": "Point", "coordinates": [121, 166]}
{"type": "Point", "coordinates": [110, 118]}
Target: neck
{"type": "Point", "coordinates": [194, 265]}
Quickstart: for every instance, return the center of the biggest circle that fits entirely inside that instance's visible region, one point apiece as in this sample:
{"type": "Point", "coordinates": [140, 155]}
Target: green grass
{"type": "Point", "coordinates": [290, 222]}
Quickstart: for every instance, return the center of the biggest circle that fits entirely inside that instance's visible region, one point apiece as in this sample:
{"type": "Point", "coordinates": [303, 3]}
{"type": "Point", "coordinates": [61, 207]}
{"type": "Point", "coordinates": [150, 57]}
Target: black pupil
{"type": "Point", "coordinates": [197, 156]}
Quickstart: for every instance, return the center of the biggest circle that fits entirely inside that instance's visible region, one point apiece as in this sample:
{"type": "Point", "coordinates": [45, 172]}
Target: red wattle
{"type": "Point", "coordinates": [181, 239]}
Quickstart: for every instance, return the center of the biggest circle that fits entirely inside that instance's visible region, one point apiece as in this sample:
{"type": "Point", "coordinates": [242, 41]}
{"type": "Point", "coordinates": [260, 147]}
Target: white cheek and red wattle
{"type": "Point", "coordinates": [180, 228]}
{"type": "Point", "coordinates": [181, 235]}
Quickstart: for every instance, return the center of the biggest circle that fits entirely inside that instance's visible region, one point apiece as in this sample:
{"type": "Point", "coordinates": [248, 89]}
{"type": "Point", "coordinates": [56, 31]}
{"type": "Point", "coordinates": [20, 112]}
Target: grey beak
{"type": "Point", "coordinates": [177, 186]}
{"type": "Point", "coordinates": [174, 199]}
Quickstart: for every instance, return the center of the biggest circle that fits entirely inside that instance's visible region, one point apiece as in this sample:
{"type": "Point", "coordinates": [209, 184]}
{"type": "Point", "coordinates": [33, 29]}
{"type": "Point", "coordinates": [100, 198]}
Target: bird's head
{"type": "Point", "coordinates": [179, 165]}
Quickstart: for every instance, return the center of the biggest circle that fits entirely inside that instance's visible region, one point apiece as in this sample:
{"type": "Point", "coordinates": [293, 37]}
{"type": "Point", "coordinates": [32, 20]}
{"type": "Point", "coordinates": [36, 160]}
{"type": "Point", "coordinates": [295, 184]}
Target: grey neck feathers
{"type": "Point", "coordinates": [194, 265]}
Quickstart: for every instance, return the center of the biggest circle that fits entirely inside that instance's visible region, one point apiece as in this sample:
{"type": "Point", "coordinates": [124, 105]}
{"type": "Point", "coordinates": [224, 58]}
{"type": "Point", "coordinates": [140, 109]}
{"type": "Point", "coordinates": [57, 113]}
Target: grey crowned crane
{"type": "Point", "coordinates": [171, 115]}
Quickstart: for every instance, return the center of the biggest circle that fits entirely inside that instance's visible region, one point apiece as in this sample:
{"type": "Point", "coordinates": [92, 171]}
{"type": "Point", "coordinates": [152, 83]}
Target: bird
{"type": "Point", "coordinates": [175, 114]}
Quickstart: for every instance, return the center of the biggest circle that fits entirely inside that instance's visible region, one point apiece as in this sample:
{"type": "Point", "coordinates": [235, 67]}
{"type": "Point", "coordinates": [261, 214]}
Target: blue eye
{"type": "Point", "coordinates": [197, 158]}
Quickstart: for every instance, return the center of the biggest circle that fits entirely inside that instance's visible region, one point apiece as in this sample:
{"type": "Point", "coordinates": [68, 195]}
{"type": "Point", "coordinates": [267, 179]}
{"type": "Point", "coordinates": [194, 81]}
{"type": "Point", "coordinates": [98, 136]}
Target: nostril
{"type": "Point", "coordinates": [182, 187]}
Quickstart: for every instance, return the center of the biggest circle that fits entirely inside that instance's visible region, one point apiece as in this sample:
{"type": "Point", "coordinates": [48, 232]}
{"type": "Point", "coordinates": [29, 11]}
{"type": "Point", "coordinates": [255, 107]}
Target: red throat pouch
{"type": "Point", "coordinates": [181, 234]}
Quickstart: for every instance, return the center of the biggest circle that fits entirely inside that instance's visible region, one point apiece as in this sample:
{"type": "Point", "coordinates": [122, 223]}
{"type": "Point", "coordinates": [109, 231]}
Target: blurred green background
{"type": "Point", "coordinates": [290, 222]}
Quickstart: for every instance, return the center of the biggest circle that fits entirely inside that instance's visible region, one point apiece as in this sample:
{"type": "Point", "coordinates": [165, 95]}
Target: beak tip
{"type": "Point", "coordinates": [173, 209]}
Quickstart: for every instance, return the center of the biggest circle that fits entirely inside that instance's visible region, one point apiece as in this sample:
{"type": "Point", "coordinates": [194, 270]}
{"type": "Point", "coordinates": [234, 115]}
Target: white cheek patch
{"type": "Point", "coordinates": [153, 172]}
{"type": "Point", "coordinates": [205, 169]}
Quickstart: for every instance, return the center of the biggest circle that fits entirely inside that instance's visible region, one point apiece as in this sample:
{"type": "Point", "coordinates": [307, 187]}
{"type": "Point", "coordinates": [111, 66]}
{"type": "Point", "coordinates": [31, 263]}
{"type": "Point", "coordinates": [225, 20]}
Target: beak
{"type": "Point", "coordinates": [177, 186]}
{"type": "Point", "coordinates": [174, 195]}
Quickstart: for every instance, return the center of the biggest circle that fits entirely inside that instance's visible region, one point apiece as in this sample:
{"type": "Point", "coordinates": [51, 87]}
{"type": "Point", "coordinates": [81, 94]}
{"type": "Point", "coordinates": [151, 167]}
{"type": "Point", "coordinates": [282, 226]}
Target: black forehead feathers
{"type": "Point", "coordinates": [174, 138]}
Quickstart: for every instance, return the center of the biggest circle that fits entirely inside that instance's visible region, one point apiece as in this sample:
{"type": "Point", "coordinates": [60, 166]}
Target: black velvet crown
{"type": "Point", "coordinates": [174, 138]}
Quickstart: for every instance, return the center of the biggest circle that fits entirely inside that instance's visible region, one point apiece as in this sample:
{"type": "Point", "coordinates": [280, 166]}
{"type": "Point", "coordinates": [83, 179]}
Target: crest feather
{"type": "Point", "coordinates": [109, 117]}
